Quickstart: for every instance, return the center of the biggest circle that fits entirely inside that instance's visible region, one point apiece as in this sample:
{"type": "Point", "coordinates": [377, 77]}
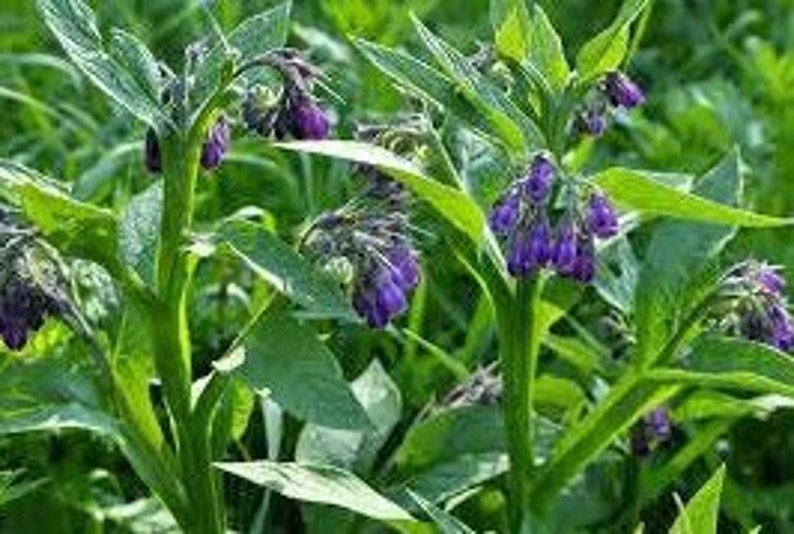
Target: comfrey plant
{"type": "Point", "coordinates": [498, 153]}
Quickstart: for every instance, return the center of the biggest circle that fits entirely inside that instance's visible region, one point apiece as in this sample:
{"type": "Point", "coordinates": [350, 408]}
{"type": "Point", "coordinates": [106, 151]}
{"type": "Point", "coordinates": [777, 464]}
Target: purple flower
{"type": "Point", "coordinates": [565, 246]}
{"type": "Point", "coordinates": [539, 248]}
{"type": "Point", "coordinates": [306, 120]}
{"type": "Point", "coordinates": [781, 332]}
{"type": "Point", "coordinates": [622, 91]}
{"type": "Point", "coordinates": [505, 214]}
{"type": "Point", "coordinates": [518, 262]}
{"type": "Point", "coordinates": [592, 122]}
{"type": "Point", "coordinates": [404, 267]}
{"type": "Point", "coordinates": [658, 422]}
{"type": "Point", "coordinates": [601, 217]}
{"type": "Point", "coordinates": [152, 158]}
{"type": "Point", "coordinates": [216, 145]}
{"type": "Point", "coordinates": [654, 429]}
{"type": "Point", "coordinates": [23, 308]}
{"type": "Point", "coordinates": [537, 185]}
{"type": "Point", "coordinates": [584, 267]}
{"type": "Point", "coordinates": [770, 280]}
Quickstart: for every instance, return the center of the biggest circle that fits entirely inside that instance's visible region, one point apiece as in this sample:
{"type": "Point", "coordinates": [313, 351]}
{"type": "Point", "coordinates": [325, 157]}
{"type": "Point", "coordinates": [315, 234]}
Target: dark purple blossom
{"type": "Point", "coordinates": [654, 429]}
{"type": "Point", "coordinates": [23, 308]}
{"type": "Point", "coordinates": [623, 91]}
{"type": "Point", "coordinates": [217, 143]}
{"type": "Point", "coordinates": [404, 265]}
{"type": "Point", "coordinates": [518, 263]}
{"type": "Point", "coordinates": [504, 215]}
{"type": "Point", "coordinates": [305, 120]}
{"type": "Point", "coordinates": [539, 247]}
{"type": "Point", "coordinates": [601, 217]}
{"type": "Point", "coordinates": [592, 122]}
{"type": "Point", "coordinates": [152, 158]}
{"type": "Point", "coordinates": [565, 246]}
{"type": "Point", "coordinates": [538, 183]}
{"type": "Point", "coordinates": [584, 266]}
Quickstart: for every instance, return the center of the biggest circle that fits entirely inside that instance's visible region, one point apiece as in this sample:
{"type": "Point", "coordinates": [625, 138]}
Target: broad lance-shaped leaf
{"type": "Point", "coordinates": [428, 83]}
{"type": "Point", "coordinates": [677, 253]}
{"type": "Point", "coordinates": [125, 71]}
{"type": "Point", "coordinates": [453, 204]}
{"type": "Point", "coordinates": [702, 511]}
{"type": "Point", "coordinates": [285, 358]}
{"type": "Point", "coordinates": [320, 484]}
{"type": "Point", "coordinates": [515, 129]}
{"type": "Point", "coordinates": [255, 36]}
{"type": "Point", "coordinates": [139, 231]}
{"type": "Point", "coordinates": [75, 228]}
{"type": "Point", "coordinates": [288, 272]}
{"type": "Point", "coordinates": [607, 50]}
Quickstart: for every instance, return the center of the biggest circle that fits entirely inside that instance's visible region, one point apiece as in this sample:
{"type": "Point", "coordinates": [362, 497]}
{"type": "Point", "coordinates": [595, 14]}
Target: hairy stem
{"type": "Point", "coordinates": [519, 351]}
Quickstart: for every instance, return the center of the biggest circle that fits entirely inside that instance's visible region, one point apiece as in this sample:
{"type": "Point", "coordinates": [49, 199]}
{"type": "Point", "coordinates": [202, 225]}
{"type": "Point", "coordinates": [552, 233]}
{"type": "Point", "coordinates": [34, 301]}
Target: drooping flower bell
{"type": "Point", "coordinates": [623, 91]}
{"type": "Point", "coordinates": [307, 121]}
{"type": "Point", "coordinates": [601, 217]}
{"type": "Point", "coordinates": [215, 146]}
{"type": "Point", "coordinates": [753, 305]}
{"type": "Point", "coordinates": [592, 122]}
{"type": "Point", "coordinates": [540, 179]}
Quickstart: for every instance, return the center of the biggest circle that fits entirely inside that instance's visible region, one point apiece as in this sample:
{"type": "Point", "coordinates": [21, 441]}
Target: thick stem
{"type": "Point", "coordinates": [519, 352]}
{"type": "Point", "coordinates": [171, 333]}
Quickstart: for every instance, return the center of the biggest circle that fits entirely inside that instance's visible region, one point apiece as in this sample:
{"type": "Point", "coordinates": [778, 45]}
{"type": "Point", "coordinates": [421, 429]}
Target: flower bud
{"type": "Point", "coordinates": [565, 247]}
{"type": "Point", "coordinates": [307, 120]}
{"type": "Point", "coordinates": [584, 267]}
{"type": "Point", "coordinates": [537, 185]}
{"type": "Point", "coordinates": [504, 215]}
{"type": "Point", "coordinates": [216, 145]}
{"type": "Point", "coordinates": [601, 217]}
{"type": "Point", "coordinates": [591, 122]}
{"type": "Point", "coordinates": [152, 158]}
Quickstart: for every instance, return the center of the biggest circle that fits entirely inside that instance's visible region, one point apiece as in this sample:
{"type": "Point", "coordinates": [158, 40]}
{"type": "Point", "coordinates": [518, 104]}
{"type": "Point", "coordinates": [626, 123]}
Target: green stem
{"type": "Point", "coordinates": [171, 334]}
{"type": "Point", "coordinates": [519, 352]}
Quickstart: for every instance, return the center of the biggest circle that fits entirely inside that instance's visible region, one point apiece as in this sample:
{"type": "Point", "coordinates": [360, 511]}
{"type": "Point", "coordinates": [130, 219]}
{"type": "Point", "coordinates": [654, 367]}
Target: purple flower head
{"type": "Point", "coordinates": [365, 304]}
{"type": "Point", "coordinates": [216, 145]}
{"type": "Point", "coordinates": [584, 267]}
{"type": "Point", "coordinates": [23, 308]}
{"type": "Point", "coordinates": [504, 214]}
{"type": "Point", "coordinates": [592, 122]}
{"type": "Point", "coordinates": [658, 423]}
{"type": "Point", "coordinates": [770, 280]}
{"type": "Point", "coordinates": [306, 120]}
{"type": "Point", "coordinates": [565, 246]}
{"type": "Point", "coordinates": [654, 429]}
{"type": "Point", "coordinates": [622, 91]}
{"type": "Point", "coordinates": [518, 257]}
{"type": "Point", "coordinates": [537, 185]}
{"type": "Point", "coordinates": [601, 217]}
{"type": "Point", "coordinates": [539, 247]}
{"type": "Point", "coordinates": [781, 332]}
{"type": "Point", "coordinates": [152, 158]}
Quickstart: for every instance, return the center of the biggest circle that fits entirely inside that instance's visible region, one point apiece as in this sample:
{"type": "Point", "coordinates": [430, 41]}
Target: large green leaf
{"type": "Point", "coordinates": [286, 359]}
{"type": "Point", "coordinates": [452, 204]}
{"type": "Point", "coordinates": [139, 232]}
{"type": "Point", "coordinates": [289, 272]}
{"type": "Point", "coordinates": [702, 511]}
{"type": "Point", "coordinates": [514, 128]}
{"type": "Point", "coordinates": [446, 522]}
{"type": "Point", "coordinates": [677, 253]}
{"type": "Point", "coordinates": [320, 484]}
{"type": "Point", "coordinates": [352, 449]}
{"type": "Point", "coordinates": [607, 50]}
{"type": "Point", "coordinates": [125, 71]}
{"type": "Point", "coordinates": [75, 228]}
{"type": "Point", "coordinates": [255, 36]}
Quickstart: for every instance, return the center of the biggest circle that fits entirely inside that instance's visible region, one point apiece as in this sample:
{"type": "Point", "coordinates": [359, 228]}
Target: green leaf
{"type": "Point", "coordinates": [452, 204]}
{"type": "Point", "coordinates": [69, 416]}
{"type": "Point", "coordinates": [426, 82]}
{"type": "Point", "coordinates": [633, 190]}
{"type": "Point", "coordinates": [702, 511]}
{"type": "Point", "coordinates": [351, 449]}
{"type": "Point", "coordinates": [125, 72]}
{"type": "Point", "coordinates": [448, 479]}
{"type": "Point", "coordinates": [139, 232]}
{"type": "Point", "coordinates": [320, 484]}
{"type": "Point", "coordinates": [255, 36]}
{"type": "Point", "coordinates": [75, 228]}
{"type": "Point", "coordinates": [514, 128]}
{"type": "Point", "coordinates": [546, 52]}
{"type": "Point", "coordinates": [679, 251]}
{"type": "Point", "coordinates": [607, 50]}
{"type": "Point", "coordinates": [446, 522]}
{"type": "Point", "coordinates": [285, 358]}
{"type": "Point", "coordinates": [288, 272]}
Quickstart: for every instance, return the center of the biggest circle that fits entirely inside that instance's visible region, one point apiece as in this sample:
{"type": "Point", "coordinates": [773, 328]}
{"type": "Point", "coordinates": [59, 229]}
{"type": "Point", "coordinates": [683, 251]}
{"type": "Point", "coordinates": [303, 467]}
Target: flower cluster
{"type": "Point", "coordinates": [521, 217]}
{"type": "Point", "coordinates": [369, 239]}
{"type": "Point", "coordinates": [296, 112]}
{"type": "Point", "coordinates": [615, 90]}
{"type": "Point", "coordinates": [24, 298]}
{"type": "Point", "coordinates": [754, 295]}
{"type": "Point", "coordinates": [654, 429]}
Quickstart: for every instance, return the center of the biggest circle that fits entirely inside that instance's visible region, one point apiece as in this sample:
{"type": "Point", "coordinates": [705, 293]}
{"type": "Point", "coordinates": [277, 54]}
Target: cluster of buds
{"type": "Point", "coordinates": [521, 217]}
{"type": "Point", "coordinates": [26, 285]}
{"type": "Point", "coordinates": [752, 304]}
{"type": "Point", "coordinates": [615, 90]}
{"type": "Point", "coordinates": [213, 149]}
{"type": "Point", "coordinates": [654, 429]}
{"type": "Point", "coordinates": [367, 242]}
{"type": "Point", "coordinates": [295, 112]}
